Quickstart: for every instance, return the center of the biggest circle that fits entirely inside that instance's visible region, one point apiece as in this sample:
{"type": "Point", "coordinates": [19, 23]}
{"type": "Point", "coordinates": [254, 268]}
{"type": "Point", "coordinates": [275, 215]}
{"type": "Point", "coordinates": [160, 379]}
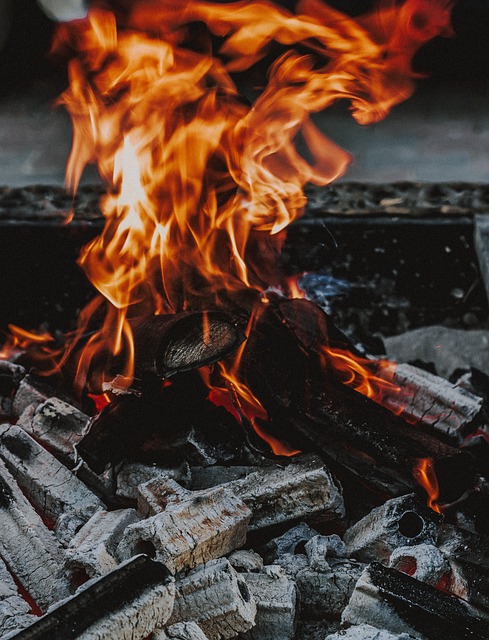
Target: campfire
{"type": "Point", "coordinates": [207, 455]}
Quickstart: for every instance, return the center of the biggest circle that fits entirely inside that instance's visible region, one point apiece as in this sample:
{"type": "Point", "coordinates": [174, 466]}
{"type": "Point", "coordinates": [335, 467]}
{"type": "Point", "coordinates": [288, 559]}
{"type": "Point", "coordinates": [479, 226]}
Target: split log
{"type": "Point", "coordinates": [28, 547]}
{"type": "Point", "coordinates": [51, 487]}
{"type": "Point", "coordinates": [217, 598]}
{"type": "Point", "coordinates": [311, 410]}
{"type": "Point", "coordinates": [191, 530]}
{"type": "Point", "coordinates": [398, 603]}
{"type": "Point", "coordinates": [184, 341]}
{"type": "Point", "coordinates": [126, 604]}
{"type": "Point", "coordinates": [91, 553]}
{"type": "Point", "coordinates": [399, 522]}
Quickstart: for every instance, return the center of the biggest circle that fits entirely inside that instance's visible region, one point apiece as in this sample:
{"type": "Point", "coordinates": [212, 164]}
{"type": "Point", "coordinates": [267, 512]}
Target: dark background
{"type": "Point", "coordinates": [466, 56]}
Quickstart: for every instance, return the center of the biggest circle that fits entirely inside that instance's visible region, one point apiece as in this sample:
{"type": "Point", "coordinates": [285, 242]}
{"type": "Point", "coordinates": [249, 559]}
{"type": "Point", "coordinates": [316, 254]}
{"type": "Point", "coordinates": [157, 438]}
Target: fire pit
{"type": "Point", "coordinates": [191, 447]}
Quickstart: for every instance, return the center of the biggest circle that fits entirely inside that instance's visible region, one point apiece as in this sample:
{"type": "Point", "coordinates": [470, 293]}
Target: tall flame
{"type": "Point", "coordinates": [424, 473]}
{"type": "Point", "coordinates": [197, 177]}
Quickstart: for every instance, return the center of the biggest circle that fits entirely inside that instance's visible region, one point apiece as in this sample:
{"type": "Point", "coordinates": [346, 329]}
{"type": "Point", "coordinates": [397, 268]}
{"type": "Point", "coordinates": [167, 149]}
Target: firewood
{"type": "Point", "coordinates": [399, 522]}
{"type": "Point", "coordinates": [92, 550]}
{"type": "Point", "coordinates": [191, 530]}
{"type": "Point", "coordinates": [126, 604]}
{"type": "Point", "coordinates": [398, 603]}
{"type": "Point", "coordinates": [183, 341]}
{"type": "Point", "coordinates": [53, 488]}
{"type": "Point", "coordinates": [217, 599]}
{"type": "Point", "coordinates": [28, 547]}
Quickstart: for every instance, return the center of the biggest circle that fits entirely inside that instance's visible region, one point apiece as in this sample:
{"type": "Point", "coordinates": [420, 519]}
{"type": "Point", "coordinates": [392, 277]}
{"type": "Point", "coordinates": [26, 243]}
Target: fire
{"type": "Point", "coordinates": [18, 339]}
{"type": "Point", "coordinates": [424, 474]}
{"type": "Point", "coordinates": [362, 374]}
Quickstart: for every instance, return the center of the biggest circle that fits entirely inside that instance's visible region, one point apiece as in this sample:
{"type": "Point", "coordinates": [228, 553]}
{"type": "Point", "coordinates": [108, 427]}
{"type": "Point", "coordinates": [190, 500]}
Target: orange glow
{"type": "Point", "coordinates": [371, 378]}
{"type": "Point", "coordinates": [196, 176]}
{"type": "Point", "coordinates": [424, 474]}
{"type": "Point", "coordinates": [19, 339]}
{"type": "Point", "coordinates": [101, 400]}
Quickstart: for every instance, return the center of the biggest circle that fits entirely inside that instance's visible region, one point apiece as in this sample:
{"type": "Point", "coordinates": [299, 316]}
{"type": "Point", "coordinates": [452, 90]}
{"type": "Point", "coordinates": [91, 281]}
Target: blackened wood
{"type": "Point", "coordinates": [311, 410]}
{"type": "Point", "coordinates": [102, 599]}
{"type": "Point", "coordinates": [184, 341]}
{"type": "Point", "coordinates": [429, 611]}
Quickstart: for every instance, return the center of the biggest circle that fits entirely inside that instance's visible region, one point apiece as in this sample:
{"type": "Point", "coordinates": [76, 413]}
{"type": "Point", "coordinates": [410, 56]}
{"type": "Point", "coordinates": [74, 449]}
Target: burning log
{"type": "Point", "coordinates": [51, 487]}
{"type": "Point", "coordinates": [15, 613]}
{"type": "Point", "coordinates": [399, 522]}
{"type": "Point", "coordinates": [276, 604]}
{"type": "Point", "coordinates": [92, 551]}
{"type": "Point", "coordinates": [126, 604]}
{"type": "Point", "coordinates": [217, 598]}
{"type": "Point", "coordinates": [315, 411]}
{"type": "Point", "coordinates": [193, 528]}
{"type": "Point", "coordinates": [398, 603]}
{"type": "Point", "coordinates": [28, 547]}
{"type": "Point", "coordinates": [428, 400]}
{"type": "Point", "coordinates": [183, 341]}
{"type": "Point", "coordinates": [302, 489]}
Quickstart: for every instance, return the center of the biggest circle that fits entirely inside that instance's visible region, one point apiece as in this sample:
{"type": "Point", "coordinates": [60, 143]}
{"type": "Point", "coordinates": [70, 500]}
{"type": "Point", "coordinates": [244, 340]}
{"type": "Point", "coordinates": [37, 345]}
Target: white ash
{"type": "Point", "coordinates": [133, 474]}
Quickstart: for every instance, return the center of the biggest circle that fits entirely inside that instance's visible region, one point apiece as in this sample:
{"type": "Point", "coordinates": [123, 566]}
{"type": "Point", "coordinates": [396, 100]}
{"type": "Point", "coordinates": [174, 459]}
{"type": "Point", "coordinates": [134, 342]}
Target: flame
{"type": "Point", "coordinates": [197, 177]}
{"type": "Point", "coordinates": [19, 339]}
{"type": "Point", "coordinates": [424, 474]}
{"type": "Point", "coordinates": [372, 378]}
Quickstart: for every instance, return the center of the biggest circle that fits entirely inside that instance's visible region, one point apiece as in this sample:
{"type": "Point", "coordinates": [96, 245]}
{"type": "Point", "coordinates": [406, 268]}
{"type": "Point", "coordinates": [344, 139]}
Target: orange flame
{"type": "Point", "coordinates": [372, 378]}
{"type": "Point", "coordinates": [424, 474]}
{"type": "Point", "coordinates": [19, 339]}
{"type": "Point", "coordinates": [195, 174]}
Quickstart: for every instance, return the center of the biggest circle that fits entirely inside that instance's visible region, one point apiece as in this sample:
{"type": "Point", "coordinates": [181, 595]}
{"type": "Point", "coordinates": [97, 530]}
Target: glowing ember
{"type": "Point", "coordinates": [424, 474]}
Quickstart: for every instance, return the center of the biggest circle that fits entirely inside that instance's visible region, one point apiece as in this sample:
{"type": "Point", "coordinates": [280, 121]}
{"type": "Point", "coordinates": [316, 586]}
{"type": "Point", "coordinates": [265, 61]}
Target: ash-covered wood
{"type": "Point", "coordinates": [28, 547]}
{"type": "Point", "coordinates": [481, 236]}
{"type": "Point", "coordinates": [93, 550]}
{"type": "Point", "coordinates": [289, 543]}
{"type": "Point", "coordinates": [426, 399]}
{"type": "Point", "coordinates": [276, 604]}
{"type": "Point", "coordinates": [51, 487]}
{"type": "Point", "coordinates": [15, 613]}
{"type": "Point", "coordinates": [217, 598]}
{"type": "Point", "coordinates": [183, 341]}
{"type": "Point", "coordinates": [424, 562]}
{"type": "Point", "coordinates": [32, 391]}
{"type": "Point", "coordinates": [399, 522]}
{"type": "Point", "coordinates": [180, 631]}
{"type": "Point", "coordinates": [126, 604]}
{"type": "Point", "coordinates": [367, 632]}
{"type": "Point", "coordinates": [130, 475]}
{"type": "Point", "coordinates": [57, 425]}
{"type": "Point", "coordinates": [192, 529]}
{"type": "Point", "coordinates": [398, 603]}
{"type": "Point", "coordinates": [11, 376]}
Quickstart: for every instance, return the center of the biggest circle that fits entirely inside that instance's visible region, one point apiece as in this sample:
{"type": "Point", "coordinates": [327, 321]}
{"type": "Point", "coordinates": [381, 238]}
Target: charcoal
{"type": "Point", "coordinates": [424, 562]}
{"type": "Point", "coordinates": [246, 561]}
{"type": "Point", "coordinates": [192, 529]}
{"type": "Point", "coordinates": [15, 613]}
{"type": "Point", "coordinates": [92, 551]}
{"type": "Point", "coordinates": [292, 541]}
{"type": "Point", "coordinates": [132, 474]}
{"type": "Point", "coordinates": [276, 604]}
{"type": "Point", "coordinates": [398, 603]}
{"type": "Point", "coordinates": [217, 599]}
{"type": "Point", "coordinates": [183, 341]}
{"type": "Point", "coordinates": [481, 236]}
{"type": "Point", "coordinates": [32, 391]}
{"type": "Point", "coordinates": [399, 522]}
{"type": "Point", "coordinates": [10, 378]}
{"type": "Point", "coordinates": [367, 632]}
{"type": "Point", "coordinates": [54, 489]}
{"type": "Point", "coordinates": [180, 631]}
{"type": "Point", "coordinates": [323, 593]}
{"type": "Point", "coordinates": [320, 548]}
{"type": "Point", "coordinates": [125, 604]}
{"type": "Point", "coordinates": [28, 547]}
